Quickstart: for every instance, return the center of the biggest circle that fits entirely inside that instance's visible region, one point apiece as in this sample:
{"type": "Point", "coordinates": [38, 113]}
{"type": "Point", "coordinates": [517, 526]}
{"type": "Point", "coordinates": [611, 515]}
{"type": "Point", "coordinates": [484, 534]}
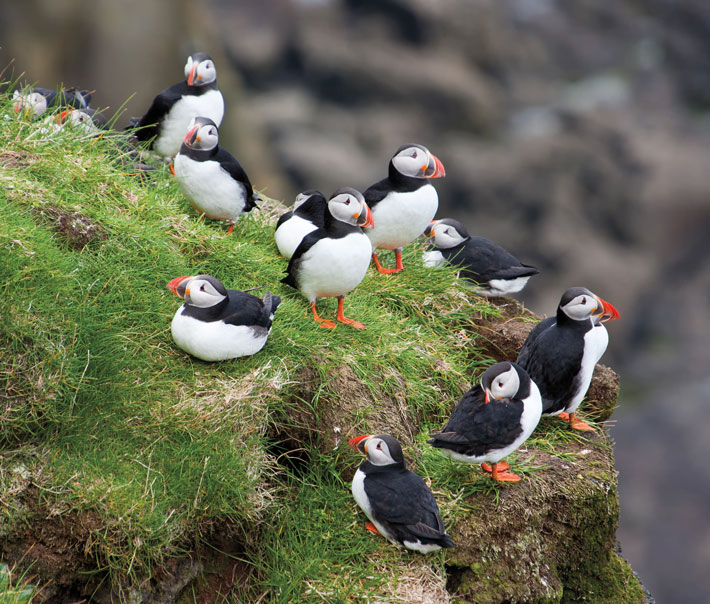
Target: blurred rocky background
{"type": "Point", "coordinates": [575, 133]}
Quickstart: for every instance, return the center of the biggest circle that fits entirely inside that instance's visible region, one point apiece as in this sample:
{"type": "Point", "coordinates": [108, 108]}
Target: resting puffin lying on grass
{"type": "Point", "coordinates": [216, 323]}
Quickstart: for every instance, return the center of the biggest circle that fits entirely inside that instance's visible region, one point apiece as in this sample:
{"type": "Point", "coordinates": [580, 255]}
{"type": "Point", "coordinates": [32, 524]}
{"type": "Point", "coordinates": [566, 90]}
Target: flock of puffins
{"type": "Point", "coordinates": [329, 245]}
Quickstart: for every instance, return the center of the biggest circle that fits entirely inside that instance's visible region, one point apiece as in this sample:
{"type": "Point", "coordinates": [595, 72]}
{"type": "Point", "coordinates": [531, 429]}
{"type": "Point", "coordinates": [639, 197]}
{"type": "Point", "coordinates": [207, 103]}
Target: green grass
{"type": "Point", "coordinates": [159, 446]}
{"type": "Point", "coordinates": [111, 420]}
{"type": "Point", "coordinates": [14, 587]}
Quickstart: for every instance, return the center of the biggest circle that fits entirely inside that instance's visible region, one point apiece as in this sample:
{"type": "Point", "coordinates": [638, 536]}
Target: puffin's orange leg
{"type": "Point", "coordinates": [323, 322]}
{"type": "Point", "coordinates": [398, 259]}
{"type": "Point", "coordinates": [578, 424]}
{"type": "Point", "coordinates": [172, 168]}
{"type": "Point", "coordinates": [380, 268]}
{"type": "Point", "coordinates": [372, 528]}
{"type": "Point", "coordinates": [231, 228]}
{"type": "Point", "coordinates": [343, 319]}
{"type": "Point", "coordinates": [502, 465]}
{"type": "Point", "coordinates": [503, 476]}
{"type": "Point", "coordinates": [564, 415]}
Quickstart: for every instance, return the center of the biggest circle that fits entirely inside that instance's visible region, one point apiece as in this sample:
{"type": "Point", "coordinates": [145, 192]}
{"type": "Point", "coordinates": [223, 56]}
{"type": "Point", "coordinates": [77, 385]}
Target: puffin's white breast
{"type": "Point", "coordinates": [290, 234]}
{"type": "Point", "coordinates": [210, 189]}
{"type": "Point", "coordinates": [595, 342]}
{"type": "Point", "coordinates": [361, 498]}
{"type": "Point", "coordinates": [174, 126]}
{"type": "Point", "coordinates": [503, 287]}
{"type": "Point", "coordinates": [334, 267]}
{"type": "Point", "coordinates": [216, 340]}
{"type": "Point", "coordinates": [401, 217]}
{"type": "Point", "coordinates": [433, 259]}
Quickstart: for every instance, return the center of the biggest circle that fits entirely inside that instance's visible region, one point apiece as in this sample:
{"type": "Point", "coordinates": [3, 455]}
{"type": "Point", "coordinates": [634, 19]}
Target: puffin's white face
{"type": "Point", "coordinates": [200, 292]}
{"type": "Point", "coordinates": [350, 207]}
{"type": "Point", "coordinates": [504, 385]}
{"type": "Point", "coordinates": [416, 161]}
{"type": "Point", "coordinates": [200, 73]}
{"type": "Point", "coordinates": [78, 119]}
{"type": "Point", "coordinates": [582, 307]}
{"type": "Point", "coordinates": [34, 103]}
{"type": "Point", "coordinates": [378, 453]}
{"type": "Point", "coordinates": [202, 136]}
{"type": "Point", "coordinates": [446, 235]}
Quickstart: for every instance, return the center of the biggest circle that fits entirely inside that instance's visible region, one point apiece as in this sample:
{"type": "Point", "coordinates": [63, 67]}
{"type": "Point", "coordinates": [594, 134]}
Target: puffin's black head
{"type": "Point", "coordinates": [199, 290]}
{"type": "Point", "coordinates": [348, 205]}
{"type": "Point", "coordinates": [416, 161]}
{"type": "Point", "coordinates": [447, 233]}
{"type": "Point", "coordinates": [200, 70]}
{"type": "Point", "coordinates": [579, 304]}
{"type": "Point", "coordinates": [202, 133]}
{"type": "Point", "coordinates": [380, 449]}
{"type": "Point", "coordinates": [305, 196]}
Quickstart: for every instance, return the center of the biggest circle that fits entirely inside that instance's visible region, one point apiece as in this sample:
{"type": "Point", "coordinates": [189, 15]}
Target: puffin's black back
{"type": "Point", "coordinates": [313, 210]}
{"type": "Point", "coordinates": [239, 308]}
{"type": "Point", "coordinates": [475, 427]}
{"type": "Point", "coordinates": [403, 504]}
{"type": "Point", "coordinates": [552, 356]}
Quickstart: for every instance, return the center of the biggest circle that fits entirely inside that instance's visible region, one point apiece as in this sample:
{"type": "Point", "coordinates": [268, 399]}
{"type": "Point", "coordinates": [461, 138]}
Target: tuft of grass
{"type": "Point", "coordinates": [15, 587]}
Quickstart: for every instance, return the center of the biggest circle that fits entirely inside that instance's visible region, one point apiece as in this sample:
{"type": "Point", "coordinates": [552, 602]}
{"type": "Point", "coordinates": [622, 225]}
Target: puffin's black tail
{"type": "Point", "coordinates": [271, 303]}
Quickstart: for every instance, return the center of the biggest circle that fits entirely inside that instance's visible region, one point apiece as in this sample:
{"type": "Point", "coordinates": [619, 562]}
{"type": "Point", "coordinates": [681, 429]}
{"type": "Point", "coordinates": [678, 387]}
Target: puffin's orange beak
{"type": "Point", "coordinates": [609, 312]}
{"type": "Point", "coordinates": [191, 135]}
{"type": "Point", "coordinates": [175, 284]}
{"type": "Point", "coordinates": [193, 74]}
{"type": "Point", "coordinates": [429, 230]}
{"type": "Point", "coordinates": [365, 219]}
{"type": "Point", "coordinates": [434, 169]}
{"type": "Point", "coordinates": [358, 443]}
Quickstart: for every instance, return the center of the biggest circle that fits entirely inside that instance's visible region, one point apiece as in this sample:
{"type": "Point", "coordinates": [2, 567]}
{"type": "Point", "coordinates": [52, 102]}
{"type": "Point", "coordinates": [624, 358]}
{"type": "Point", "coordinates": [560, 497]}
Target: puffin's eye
{"type": "Point", "coordinates": [379, 446]}
{"type": "Point", "coordinates": [347, 203]}
{"type": "Point", "coordinates": [202, 288]}
{"type": "Point", "coordinates": [414, 154]}
{"type": "Point", "coordinates": [584, 301]}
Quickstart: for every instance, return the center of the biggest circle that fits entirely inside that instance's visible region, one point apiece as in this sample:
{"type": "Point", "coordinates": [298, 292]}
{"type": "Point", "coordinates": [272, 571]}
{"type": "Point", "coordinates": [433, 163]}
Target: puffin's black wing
{"type": "Point", "coordinates": [306, 244]}
{"type": "Point", "coordinates": [245, 309]}
{"type": "Point", "coordinates": [230, 164]}
{"type": "Point", "coordinates": [552, 361]}
{"type": "Point", "coordinates": [402, 502]}
{"type": "Point", "coordinates": [149, 124]}
{"type": "Point", "coordinates": [475, 427]}
{"type": "Point", "coordinates": [483, 260]}
{"type": "Point", "coordinates": [524, 354]}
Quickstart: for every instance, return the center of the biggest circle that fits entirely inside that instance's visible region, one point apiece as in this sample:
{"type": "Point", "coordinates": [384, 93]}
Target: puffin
{"type": "Point", "coordinates": [404, 203]}
{"type": "Point", "coordinates": [332, 261]}
{"type": "Point", "coordinates": [168, 117]}
{"type": "Point", "coordinates": [211, 178]}
{"type": "Point", "coordinates": [215, 323]}
{"type": "Point", "coordinates": [492, 270]}
{"type": "Point", "coordinates": [492, 420]}
{"type": "Point", "coordinates": [308, 214]}
{"type": "Point", "coordinates": [397, 501]}
{"type": "Point", "coordinates": [35, 101]}
{"type": "Point", "coordinates": [560, 352]}
{"type": "Point", "coordinates": [87, 120]}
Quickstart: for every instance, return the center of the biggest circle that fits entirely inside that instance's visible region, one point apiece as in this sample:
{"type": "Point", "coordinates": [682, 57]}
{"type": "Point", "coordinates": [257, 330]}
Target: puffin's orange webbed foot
{"type": "Point", "coordinates": [502, 465]}
{"type": "Point", "coordinates": [372, 528]}
{"type": "Point", "coordinates": [578, 424]}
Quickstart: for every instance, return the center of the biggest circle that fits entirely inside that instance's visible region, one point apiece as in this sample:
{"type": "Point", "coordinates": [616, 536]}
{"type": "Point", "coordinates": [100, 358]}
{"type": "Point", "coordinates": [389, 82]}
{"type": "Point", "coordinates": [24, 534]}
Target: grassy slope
{"type": "Point", "coordinates": [112, 420]}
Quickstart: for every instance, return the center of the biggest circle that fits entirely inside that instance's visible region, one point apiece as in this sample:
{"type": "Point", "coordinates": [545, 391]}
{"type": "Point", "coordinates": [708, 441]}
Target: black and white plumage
{"type": "Point", "coordinates": [560, 352]}
{"type": "Point", "coordinates": [172, 110]}
{"type": "Point", "coordinates": [308, 214]}
{"type": "Point", "coordinates": [332, 261]}
{"type": "Point", "coordinates": [492, 270]}
{"type": "Point", "coordinates": [404, 203]}
{"type": "Point", "coordinates": [86, 120]}
{"type": "Point", "coordinates": [397, 501]}
{"type": "Point", "coordinates": [36, 101]}
{"type": "Point", "coordinates": [215, 323]}
{"type": "Point", "coordinates": [211, 178]}
{"type": "Point", "coordinates": [492, 420]}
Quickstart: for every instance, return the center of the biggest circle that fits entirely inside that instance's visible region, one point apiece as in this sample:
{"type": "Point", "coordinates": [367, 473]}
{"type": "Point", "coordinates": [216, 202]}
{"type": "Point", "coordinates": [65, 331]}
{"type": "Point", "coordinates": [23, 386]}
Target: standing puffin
{"type": "Point", "coordinates": [210, 177]}
{"type": "Point", "coordinates": [332, 261]}
{"type": "Point", "coordinates": [404, 203]}
{"type": "Point", "coordinates": [560, 352]}
{"type": "Point", "coordinates": [174, 108]}
{"type": "Point", "coordinates": [216, 323]}
{"type": "Point", "coordinates": [308, 214]}
{"type": "Point", "coordinates": [397, 501]}
{"type": "Point", "coordinates": [493, 270]}
{"type": "Point", "coordinates": [492, 420]}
